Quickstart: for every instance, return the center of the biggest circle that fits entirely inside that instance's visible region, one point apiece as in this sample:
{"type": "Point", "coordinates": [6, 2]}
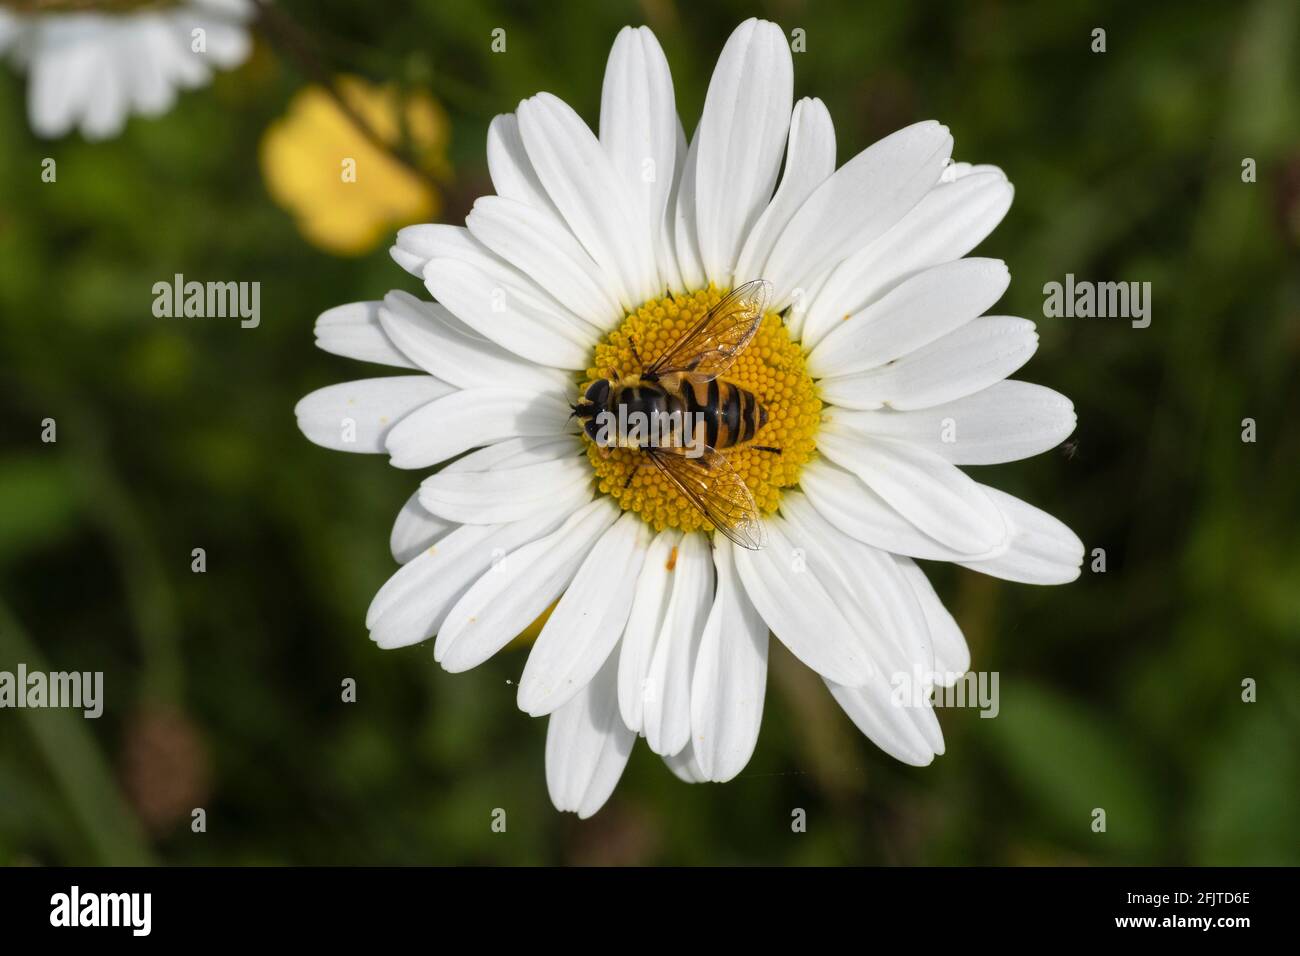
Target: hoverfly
{"type": "Point", "coordinates": [705, 413]}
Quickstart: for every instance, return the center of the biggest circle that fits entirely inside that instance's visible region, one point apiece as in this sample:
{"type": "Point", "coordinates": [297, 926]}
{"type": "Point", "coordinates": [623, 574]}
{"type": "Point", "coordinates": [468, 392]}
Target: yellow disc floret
{"type": "Point", "coordinates": [771, 366]}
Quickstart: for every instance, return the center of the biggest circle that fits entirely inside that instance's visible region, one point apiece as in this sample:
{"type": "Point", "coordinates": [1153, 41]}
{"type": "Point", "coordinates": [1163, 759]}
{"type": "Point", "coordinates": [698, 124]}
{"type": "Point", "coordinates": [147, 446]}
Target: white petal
{"type": "Point", "coordinates": [924, 488]}
{"type": "Point", "coordinates": [639, 128]}
{"type": "Point", "coordinates": [359, 416]}
{"type": "Point", "coordinates": [799, 301]}
{"type": "Point", "coordinates": [107, 105]}
{"type": "Point", "coordinates": [516, 453]}
{"type": "Point", "coordinates": [228, 43]}
{"type": "Point", "coordinates": [686, 766]}
{"type": "Point", "coordinates": [183, 67]}
{"type": "Point", "coordinates": [592, 199]}
{"type": "Point", "coordinates": [519, 588]}
{"type": "Point", "coordinates": [1005, 422]}
{"type": "Point", "coordinates": [915, 313]}
{"type": "Point", "coordinates": [654, 588]}
{"type": "Point", "coordinates": [858, 511]}
{"type": "Point", "coordinates": [901, 730]}
{"type": "Point", "coordinates": [1042, 550]}
{"type": "Point", "coordinates": [951, 654]}
{"type": "Point", "coordinates": [353, 331]}
{"type": "Point", "coordinates": [587, 623]}
{"type": "Point", "coordinates": [949, 221]}
{"type": "Point", "coordinates": [730, 677]}
{"type": "Point", "coordinates": [540, 246]}
{"type": "Point", "coordinates": [150, 90]}
{"type": "Point", "coordinates": [686, 234]}
{"type": "Point", "coordinates": [505, 455]}
{"type": "Point", "coordinates": [417, 244]}
{"type": "Point", "coordinates": [809, 160]}
{"type": "Point", "coordinates": [415, 530]}
{"type": "Point", "coordinates": [414, 602]}
{"type": "Point", "coordinates": [975, 356]}
{"type": "Point", "coordinates": [472, 417]}
{"type": "Point", "coordinates": [502, 304]}
{"type": "Point", "coordinates": [861, 200]}
{"type": "Point", "coordinates": [587, 747]}
{"type": "Point", "coordinates": [61, 78]}
{"type": "Point", "coordinates": [10, 28]}
{"type": "Point", "coordinates": [506, 493]}
{"type": "Point", "coordinates": [670, 273]}
{"type": "Point", "coordinates": [667, 698]}
{"type": "Point", "coordinates": [799, 609]}
{"type": "Point", "coordinates": [450, 350]}
{"type": "Point", "coordinates": [512, 172]}
{"type": "Point", "coordinates": [741, 137]}
{"type": "Point", "coordinates": [868, 587]}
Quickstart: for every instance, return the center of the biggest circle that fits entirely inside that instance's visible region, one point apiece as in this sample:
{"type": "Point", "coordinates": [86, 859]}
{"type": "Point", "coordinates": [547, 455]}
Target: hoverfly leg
{"type": "Point", "coordinates": [633, 473]}
{"type": "Point", "coordinates": [775, 451]}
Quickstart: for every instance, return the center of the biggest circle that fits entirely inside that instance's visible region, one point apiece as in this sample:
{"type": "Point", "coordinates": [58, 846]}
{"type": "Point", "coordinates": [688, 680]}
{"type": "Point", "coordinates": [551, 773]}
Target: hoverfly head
{"type": "Point", "coordinates": [594, 402]}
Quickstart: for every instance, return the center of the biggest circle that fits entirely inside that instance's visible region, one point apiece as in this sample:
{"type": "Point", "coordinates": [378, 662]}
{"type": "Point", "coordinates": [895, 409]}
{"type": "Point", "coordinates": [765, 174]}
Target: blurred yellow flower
{"type": "Point", "coordinates": [345, 193]}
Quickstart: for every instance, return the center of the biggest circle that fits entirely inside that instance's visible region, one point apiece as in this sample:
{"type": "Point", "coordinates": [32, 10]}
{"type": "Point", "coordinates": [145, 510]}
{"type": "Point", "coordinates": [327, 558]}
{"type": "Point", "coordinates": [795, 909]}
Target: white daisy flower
{"type": "Point", "coordinates": [873, 350]}
{"type": "Point", "coordinates": [92, 63]}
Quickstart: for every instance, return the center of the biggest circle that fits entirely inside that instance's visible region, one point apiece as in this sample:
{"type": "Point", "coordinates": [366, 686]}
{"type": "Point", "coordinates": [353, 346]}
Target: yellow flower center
{"type": "Point", "coordinates": [771, 367]}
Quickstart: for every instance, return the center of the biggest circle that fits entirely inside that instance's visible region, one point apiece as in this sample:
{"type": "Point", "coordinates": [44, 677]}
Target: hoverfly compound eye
{"type": "Point", "coordinates": [598, 392]}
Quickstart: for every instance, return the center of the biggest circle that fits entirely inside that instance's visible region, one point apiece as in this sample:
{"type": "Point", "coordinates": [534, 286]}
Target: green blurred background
{"type": "Point", "coordinates": [1121, 691]}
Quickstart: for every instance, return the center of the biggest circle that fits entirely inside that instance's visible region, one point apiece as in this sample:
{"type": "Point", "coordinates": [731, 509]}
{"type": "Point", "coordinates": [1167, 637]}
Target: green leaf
{"type": "Point", "coordinates": [37, 502]}
{"type": "Point", "coordinates": [77, 765]}
{"type": "Point", "coordinates": [1244, 810]}
{"type": "Point", "coordinates": [1071, 762]}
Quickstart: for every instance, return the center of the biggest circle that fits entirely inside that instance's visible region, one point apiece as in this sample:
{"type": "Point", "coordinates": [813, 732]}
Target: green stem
{"type": "Point", "coordinates": [76, 764]}
{"type": "Point", "coordinates": [150, 599]}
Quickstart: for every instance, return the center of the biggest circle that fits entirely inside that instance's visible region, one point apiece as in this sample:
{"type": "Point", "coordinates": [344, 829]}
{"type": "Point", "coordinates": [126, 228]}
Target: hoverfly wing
{"type": "Point", "coordinates": [709, 349]}
{"type": "Point", "coordinates": [717, 490]}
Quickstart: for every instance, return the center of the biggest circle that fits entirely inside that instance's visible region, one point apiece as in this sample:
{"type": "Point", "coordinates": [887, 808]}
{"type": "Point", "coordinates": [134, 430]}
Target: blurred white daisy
{"type": "Point", "coordinates": [93, 63]}
{"type": "Point", "coordinates": [880, 373]}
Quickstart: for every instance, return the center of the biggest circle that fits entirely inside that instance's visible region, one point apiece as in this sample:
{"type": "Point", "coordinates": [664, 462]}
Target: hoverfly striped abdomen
{"type": "Point", "coordinates": [730, 415]}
